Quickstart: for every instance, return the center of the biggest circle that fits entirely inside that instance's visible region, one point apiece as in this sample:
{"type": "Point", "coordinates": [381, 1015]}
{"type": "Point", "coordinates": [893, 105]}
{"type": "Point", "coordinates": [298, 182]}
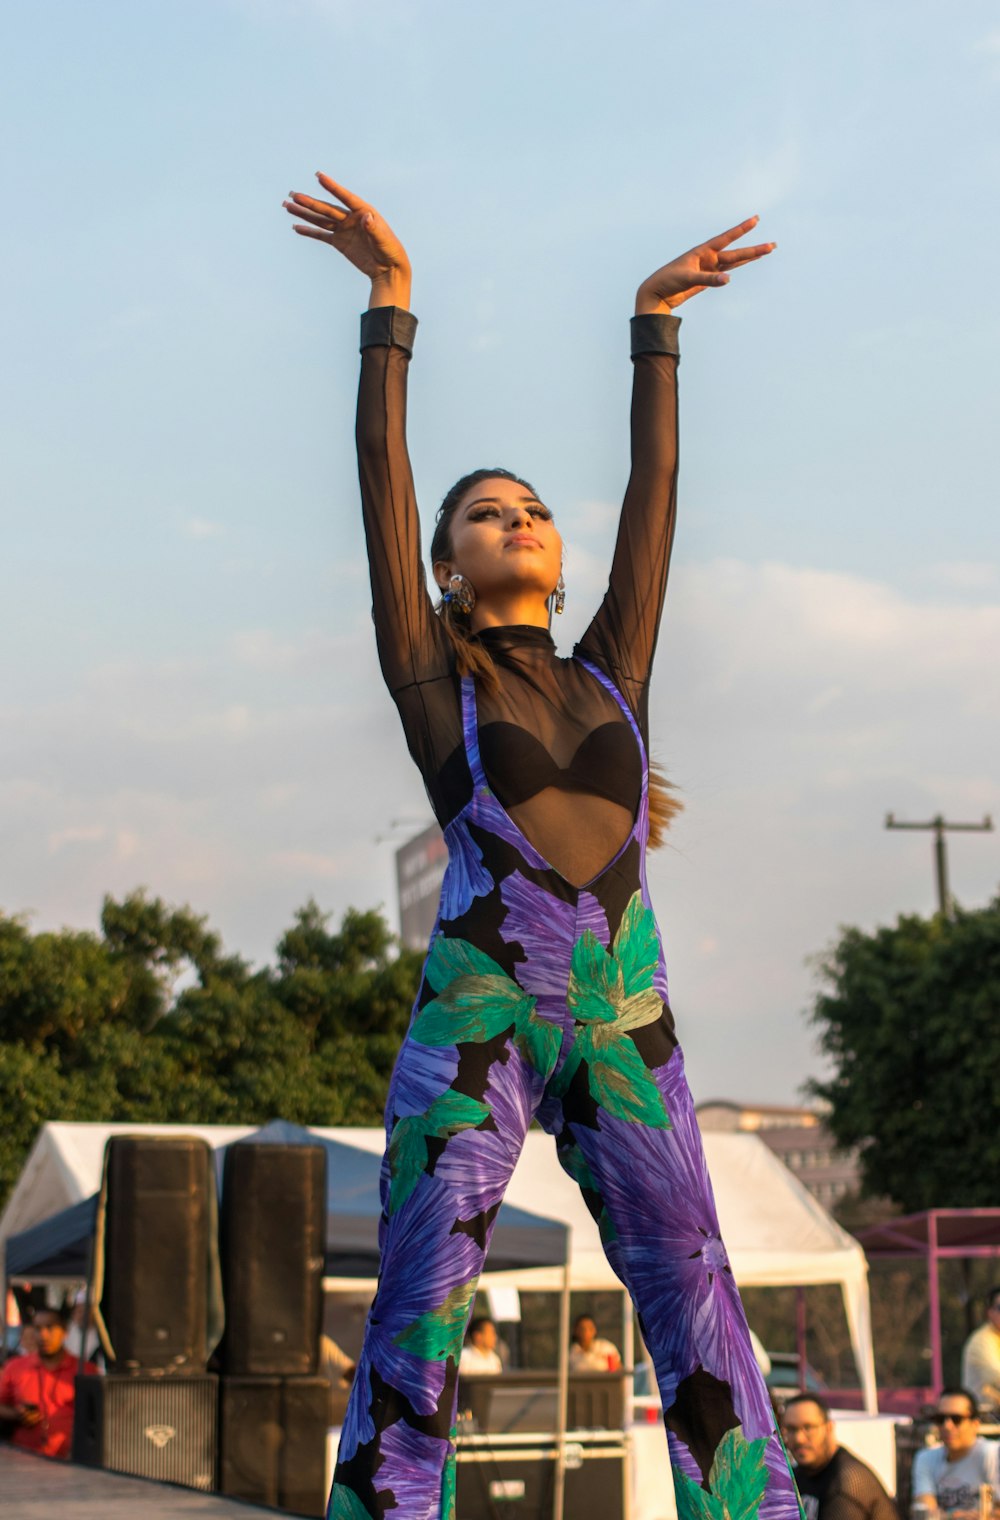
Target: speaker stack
{"type": "Point", "coordinates": [273, 1409]}
{"type": "Point", "coordinates": [155, 1414]}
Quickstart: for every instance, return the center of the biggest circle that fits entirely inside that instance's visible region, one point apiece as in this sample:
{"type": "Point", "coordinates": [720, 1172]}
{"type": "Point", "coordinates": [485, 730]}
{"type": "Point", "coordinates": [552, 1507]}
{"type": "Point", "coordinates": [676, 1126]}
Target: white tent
{"type": "Point", "coordinates": [776, 1234]}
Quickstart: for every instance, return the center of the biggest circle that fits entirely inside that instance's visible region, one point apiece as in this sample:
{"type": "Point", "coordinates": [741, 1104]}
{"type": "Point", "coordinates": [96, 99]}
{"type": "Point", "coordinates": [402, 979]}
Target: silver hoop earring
{"type": "Point", "coordinates": [559, 596]}
{"type": "Point", "coordinates": [460, 595]}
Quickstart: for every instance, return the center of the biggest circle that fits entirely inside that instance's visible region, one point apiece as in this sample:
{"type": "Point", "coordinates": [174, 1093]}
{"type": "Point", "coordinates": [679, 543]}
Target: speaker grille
{"type": "Point", "coordinates": [151, 1427]}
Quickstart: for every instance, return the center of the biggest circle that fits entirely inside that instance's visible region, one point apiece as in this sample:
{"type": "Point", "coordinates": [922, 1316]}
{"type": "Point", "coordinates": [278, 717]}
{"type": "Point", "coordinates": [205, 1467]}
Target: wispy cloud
{"type": "Point", "coordinates": [200, 528]}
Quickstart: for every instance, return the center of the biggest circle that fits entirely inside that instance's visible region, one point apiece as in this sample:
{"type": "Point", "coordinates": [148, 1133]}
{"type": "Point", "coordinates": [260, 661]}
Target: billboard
{"type": "Point", "coordinates": [420, 867]}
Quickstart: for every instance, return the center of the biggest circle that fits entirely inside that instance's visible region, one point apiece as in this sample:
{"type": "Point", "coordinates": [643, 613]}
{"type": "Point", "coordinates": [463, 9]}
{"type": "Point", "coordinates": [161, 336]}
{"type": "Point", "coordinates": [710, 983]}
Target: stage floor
{"type": "Point", "coordinates": [32, 1488]}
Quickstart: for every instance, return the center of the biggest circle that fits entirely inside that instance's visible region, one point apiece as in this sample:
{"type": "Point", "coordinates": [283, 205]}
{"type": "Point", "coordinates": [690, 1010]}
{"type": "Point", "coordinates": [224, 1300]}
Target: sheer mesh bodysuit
{"type": "Point", "coordinates": [546, 706]}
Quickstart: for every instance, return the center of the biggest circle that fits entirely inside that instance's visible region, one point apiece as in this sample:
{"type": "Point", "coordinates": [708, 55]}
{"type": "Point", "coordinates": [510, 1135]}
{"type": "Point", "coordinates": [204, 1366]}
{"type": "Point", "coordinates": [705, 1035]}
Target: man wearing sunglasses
{"type": "Point", "coordinates": [948, 1477]}
{"type": "Point", "coordinates": [833, 1483]}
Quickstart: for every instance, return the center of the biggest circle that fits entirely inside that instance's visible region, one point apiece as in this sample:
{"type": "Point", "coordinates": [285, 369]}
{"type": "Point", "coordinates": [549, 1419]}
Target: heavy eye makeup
{"type": "Point", "coordinates": [483, 510]}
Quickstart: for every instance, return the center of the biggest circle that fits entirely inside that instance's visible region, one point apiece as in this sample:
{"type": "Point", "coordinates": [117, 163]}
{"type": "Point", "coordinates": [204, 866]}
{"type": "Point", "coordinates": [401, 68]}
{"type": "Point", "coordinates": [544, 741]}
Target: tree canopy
{"type": "Point", "coordinates": [910, 1020]}
{"type": "Point", "coordinates": [150, 1020]}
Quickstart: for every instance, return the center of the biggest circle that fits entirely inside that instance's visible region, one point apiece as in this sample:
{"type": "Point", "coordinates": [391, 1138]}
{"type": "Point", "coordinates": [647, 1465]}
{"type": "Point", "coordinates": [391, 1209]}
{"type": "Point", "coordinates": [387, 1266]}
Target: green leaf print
{"type": "Point", "coordinates": [538, 1041]}
{"type": "Point", "coordinates": [438, 1333]}
{"type": "Point", "coordinates": [407, 1159]}
{"type": "Point", "coordinates": [620, 1083]}
{"type": "Point", "coordinates": [451, 958]}
{"type": "Point", "coordinates": [345, 1505]}
{"type": "Point", "coordinates": [447, 1115]}
{"type": "Point", "coordinates": [636, 947]}
{"type": "Point", "coordinates": [739, 1474]}
{"type": "Point", "coordinates": [737, 1480]}
{"type": "Point", "coordinates": [449, 1483]}
{"type": "Point", "coordinates": [471, 1008]}
{"type": "Point", "coordinates": [611, 995]}
{"type": "Point", "coordinates": [692, 1501]}
{"type": "Point", "coordinates": [595, 981]}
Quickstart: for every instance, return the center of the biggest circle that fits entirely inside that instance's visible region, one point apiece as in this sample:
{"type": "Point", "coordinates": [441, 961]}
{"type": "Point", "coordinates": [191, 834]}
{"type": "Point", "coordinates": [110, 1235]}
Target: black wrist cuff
{"type": "Point", "coordinates": [388, 327]}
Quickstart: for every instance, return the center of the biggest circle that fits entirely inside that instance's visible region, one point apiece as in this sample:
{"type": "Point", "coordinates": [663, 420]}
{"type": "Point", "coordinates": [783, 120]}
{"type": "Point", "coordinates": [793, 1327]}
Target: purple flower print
{"type": "Point", "coordinates": [656, 1189]}
{"type": "Point", "coordinates": [485, 810]}
{"type": "Point", "coordinates": [411, 1468]}
{"type": "Point", "coordinates": [476, 1165]}
{"type": "Point", "coordinates": [422, 1073]}
{"type": "Point", "coordinates": [465, 878]}
{"type": "Point", "coordinates": [547, 928]}
{"type": "Point", "coordinates": [428, 1266]}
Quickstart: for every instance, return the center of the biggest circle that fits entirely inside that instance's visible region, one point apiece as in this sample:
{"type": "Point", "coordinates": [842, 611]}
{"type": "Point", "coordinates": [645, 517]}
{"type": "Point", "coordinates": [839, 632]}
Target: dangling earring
{"type": "Point", "coordinates": [460, 595]}
{"type": "Point", "coordinates": [559, 596]}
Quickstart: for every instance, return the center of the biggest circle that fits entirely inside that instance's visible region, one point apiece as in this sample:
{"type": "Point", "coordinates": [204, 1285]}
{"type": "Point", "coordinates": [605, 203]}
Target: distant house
{"type": "Point", "coordinates": [798, 1137]}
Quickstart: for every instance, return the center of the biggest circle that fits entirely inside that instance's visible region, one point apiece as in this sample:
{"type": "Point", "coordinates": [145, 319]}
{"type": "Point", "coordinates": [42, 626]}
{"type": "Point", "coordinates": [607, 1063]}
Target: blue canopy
{"type": "Point", "coordinates": [60, 1246]}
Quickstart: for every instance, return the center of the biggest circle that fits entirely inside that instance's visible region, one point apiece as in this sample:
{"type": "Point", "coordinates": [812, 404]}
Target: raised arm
{"type": "Point", "coordinates": [411, 645]}
{"type": "Point", "coordinates": [622, 636]}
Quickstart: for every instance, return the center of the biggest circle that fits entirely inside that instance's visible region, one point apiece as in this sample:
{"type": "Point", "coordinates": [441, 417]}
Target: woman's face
{"type": "Point", "coordinates": [504, 541]}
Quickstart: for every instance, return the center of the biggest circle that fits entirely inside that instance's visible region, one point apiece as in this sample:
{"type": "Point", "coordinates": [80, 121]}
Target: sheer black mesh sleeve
{"type": "Point", "coordinates": [622, 637]}
{"type": "Point", "coordinates": [413, 649]}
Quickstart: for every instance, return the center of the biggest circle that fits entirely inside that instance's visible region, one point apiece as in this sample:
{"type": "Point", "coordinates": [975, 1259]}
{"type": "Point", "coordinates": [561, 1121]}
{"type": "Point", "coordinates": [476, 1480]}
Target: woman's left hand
{"type": "Point", "coordinates": [708, 264]}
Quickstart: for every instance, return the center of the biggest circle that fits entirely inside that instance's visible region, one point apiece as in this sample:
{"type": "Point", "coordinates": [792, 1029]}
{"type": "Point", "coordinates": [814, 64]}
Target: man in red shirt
{"type": "Point", "coordinates": [38, 1391]}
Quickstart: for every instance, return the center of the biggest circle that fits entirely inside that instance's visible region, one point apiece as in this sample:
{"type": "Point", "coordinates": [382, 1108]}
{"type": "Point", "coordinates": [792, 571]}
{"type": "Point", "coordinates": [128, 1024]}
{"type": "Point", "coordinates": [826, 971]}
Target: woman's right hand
{"type": "Point", "coordinates": [364, 237]}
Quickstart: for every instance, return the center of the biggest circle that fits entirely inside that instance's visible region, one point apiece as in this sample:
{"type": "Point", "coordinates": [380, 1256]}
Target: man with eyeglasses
{"type": "Point", "coordinates": [949, 1477]}
{"type": "Point", "coordinates": [833, 1483]}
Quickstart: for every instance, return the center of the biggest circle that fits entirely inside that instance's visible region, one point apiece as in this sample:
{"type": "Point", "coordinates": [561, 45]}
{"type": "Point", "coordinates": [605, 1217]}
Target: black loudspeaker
{"type": "Point", "coordinates": [159, 1228]}
{"type": "Point", "coordinates": [273, 1247]}
{"type": "Point", "coordinates": [272, 1442]}
{"type": "Point", "coordinates": [151, 1427]}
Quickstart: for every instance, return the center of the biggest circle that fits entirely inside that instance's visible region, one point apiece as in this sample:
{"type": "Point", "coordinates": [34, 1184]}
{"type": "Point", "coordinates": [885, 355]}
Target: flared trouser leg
{"type": "Point", "coordinates": [442, 1182]}
{"type": "Point", "coordinates": [651, 1195]}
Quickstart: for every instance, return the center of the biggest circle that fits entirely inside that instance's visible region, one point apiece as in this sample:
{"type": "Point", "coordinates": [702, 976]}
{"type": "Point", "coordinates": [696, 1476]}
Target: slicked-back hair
{"type": "Point", "coordinates": [809, 1398]}
{"type": "Point", "coordinates": [961, 1393]}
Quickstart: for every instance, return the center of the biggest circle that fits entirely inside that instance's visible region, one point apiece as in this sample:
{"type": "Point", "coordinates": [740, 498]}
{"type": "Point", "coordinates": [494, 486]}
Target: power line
{"type": "Point", "coordinates": [940, 827]}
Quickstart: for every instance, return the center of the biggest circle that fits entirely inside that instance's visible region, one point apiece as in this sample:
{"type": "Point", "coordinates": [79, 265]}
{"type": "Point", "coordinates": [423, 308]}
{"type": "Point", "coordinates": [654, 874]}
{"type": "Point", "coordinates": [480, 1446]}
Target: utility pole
{"type": "Point", "coordinates": [939, 826]}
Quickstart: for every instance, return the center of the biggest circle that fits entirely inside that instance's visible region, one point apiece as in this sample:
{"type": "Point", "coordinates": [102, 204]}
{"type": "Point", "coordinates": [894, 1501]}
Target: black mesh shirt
{"type": "Point", "coordinates": [845, 1489]}
{"type": "Point", "coordinates": [550, 718]}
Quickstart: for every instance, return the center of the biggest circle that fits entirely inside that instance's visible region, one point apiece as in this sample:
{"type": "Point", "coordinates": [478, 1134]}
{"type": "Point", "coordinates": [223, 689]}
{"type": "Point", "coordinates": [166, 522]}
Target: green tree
{"type": "Point", "coordinates": [910, 1020]}
{"type": "Point", "coordinates": [152, 1020]}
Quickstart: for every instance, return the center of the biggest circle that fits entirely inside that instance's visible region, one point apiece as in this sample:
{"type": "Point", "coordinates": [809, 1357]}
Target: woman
{"type": "Point", "coordinates": [544, 993]}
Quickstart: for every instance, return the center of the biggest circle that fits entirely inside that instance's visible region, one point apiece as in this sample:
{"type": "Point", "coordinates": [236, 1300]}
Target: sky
{"type": "Point", "coordinates": [190, 699]}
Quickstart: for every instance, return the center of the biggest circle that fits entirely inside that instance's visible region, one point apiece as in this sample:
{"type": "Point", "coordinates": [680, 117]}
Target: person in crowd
{"type": "Point", "coordinates": [589, 1352]}
{"type": "Point", "coordinates": [37, 1392]}
{"type": "Point", "coordinates": [949, 1477]}
{"type": "Point", "coordinates": [82, 1339]}
{"type": "Point", "coordinates": [479, 1354]}
{"type": "Point", "coordinates": [338, 1369]}
{"type": "Point", "coordinates": [981, 1357]}
{"type": "Point", "coordinates": [833, 1483]}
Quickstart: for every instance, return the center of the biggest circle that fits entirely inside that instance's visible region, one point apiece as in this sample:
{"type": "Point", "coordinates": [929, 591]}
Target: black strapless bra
{"type": "Point", "coordinates": [606, 764]}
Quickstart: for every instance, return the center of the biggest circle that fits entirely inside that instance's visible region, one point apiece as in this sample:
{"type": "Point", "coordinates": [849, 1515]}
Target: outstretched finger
{"type": "Point", "coordinates": [352, 201]}
{"type": "Point", "coordinates": [725, 238]}
{"type": "Point", "coordinates": [318, 208]}
{"type": "Point", "coordinates": [323, 221]}
{"type": "Point", "coordinates": [315, 232]}
{"type": "Point", "coordinates": [745, 255]}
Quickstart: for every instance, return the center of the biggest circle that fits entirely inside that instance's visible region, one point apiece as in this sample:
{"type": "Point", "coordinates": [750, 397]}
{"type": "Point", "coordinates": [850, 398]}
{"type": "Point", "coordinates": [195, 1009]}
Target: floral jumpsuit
{"type": "Point", "coordinates": [541, 999]}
